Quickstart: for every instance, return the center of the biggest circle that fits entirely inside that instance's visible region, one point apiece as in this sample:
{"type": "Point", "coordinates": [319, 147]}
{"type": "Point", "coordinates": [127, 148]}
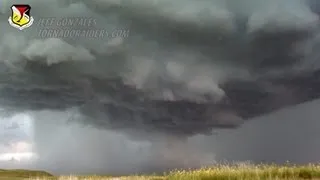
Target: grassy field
{"type": "Point", "coordinates": [223, 172]}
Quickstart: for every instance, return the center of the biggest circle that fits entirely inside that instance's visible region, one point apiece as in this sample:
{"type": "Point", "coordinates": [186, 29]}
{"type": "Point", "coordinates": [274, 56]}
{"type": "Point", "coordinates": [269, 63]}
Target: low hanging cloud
{"type": "Point", "coordinates": [186, 68]}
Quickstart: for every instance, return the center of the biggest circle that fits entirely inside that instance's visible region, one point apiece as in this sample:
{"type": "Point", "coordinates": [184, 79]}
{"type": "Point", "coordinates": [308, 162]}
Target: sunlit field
{"type": "Point", "coordinates": [223, 172]}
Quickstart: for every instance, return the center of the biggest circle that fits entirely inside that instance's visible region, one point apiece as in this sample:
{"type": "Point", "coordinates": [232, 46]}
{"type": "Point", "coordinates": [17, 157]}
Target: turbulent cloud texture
{"type": "Point", "coordinates": [185, 69]}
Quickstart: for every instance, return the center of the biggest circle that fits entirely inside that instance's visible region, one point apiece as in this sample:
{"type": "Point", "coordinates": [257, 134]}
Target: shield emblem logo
{"type": "Point", "coordinates": [20, 17]}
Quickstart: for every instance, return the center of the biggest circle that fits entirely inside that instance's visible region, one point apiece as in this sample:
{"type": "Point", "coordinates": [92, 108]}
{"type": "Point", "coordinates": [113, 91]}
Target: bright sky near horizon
{"type": "Point", "coordinates": [16, 137]}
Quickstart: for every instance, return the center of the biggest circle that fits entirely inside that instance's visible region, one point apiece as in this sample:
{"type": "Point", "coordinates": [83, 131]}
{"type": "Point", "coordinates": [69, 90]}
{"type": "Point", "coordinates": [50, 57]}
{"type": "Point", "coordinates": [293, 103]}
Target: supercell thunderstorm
{"type": "Point", "coordinates": [153, 70]}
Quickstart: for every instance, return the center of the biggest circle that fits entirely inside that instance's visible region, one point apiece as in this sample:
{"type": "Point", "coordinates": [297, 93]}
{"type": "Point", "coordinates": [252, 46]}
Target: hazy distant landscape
{"type": "Point", "coordinates": [258, 141]}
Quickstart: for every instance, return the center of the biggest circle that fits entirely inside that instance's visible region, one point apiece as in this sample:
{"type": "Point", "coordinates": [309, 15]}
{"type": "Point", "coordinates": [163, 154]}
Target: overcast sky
{"type": "Point", "coordinates": [288, 135]}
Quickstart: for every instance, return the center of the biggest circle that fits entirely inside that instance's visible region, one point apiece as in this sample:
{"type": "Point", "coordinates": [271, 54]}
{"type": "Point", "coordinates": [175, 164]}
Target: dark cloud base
{"type": "Point", "coordinates": [276, 76]}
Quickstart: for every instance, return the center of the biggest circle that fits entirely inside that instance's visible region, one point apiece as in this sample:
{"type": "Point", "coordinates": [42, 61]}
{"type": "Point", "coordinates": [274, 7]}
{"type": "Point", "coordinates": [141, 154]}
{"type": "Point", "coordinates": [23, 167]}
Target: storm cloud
{"type": "Point", "coordinates": [180, 69]}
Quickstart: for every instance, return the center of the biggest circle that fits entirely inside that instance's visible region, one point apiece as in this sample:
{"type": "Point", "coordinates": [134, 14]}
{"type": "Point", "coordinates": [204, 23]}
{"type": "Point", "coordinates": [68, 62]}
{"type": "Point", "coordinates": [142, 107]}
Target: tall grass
{"type": "Point", "coordinates": [219, 172]}
{"type": "Point", "coordinates": [249, 172]}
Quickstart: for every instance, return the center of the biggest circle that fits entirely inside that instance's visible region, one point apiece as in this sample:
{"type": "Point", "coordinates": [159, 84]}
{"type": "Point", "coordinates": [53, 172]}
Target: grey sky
{"type": "Point", "coordinates": [75, 147]}
{"type": "Point", "coordinates": [288, 135]}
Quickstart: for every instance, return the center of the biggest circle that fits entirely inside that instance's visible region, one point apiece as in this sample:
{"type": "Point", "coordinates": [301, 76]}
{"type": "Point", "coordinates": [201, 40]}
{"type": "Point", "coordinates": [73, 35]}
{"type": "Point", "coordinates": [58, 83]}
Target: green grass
{"type": "Point", "coordinates": [220, 172]}
{"type": "Point", "coordinates": [22, 174]}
